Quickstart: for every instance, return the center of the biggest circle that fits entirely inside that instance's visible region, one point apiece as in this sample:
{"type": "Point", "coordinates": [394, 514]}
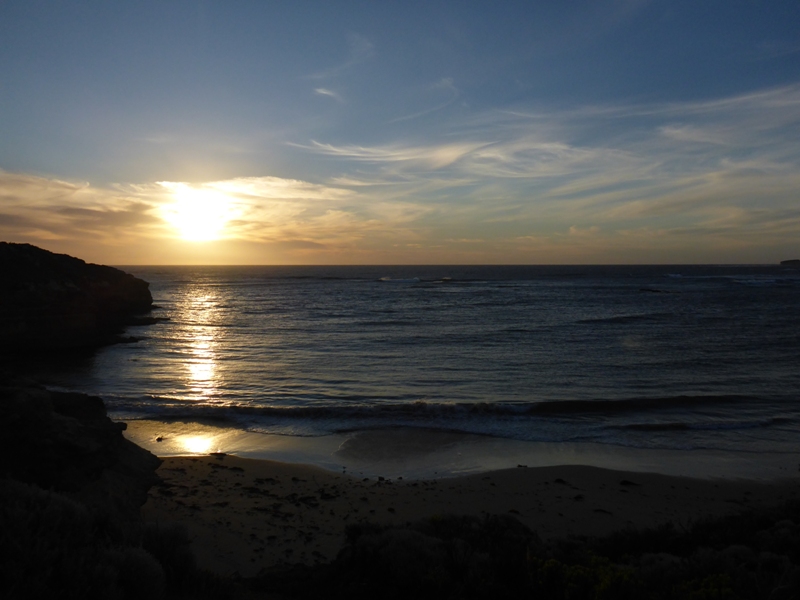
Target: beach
{"type": "Point", "coordinates": [245, 515]}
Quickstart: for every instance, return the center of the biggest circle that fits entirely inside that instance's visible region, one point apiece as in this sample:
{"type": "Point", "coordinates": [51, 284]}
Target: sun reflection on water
{"type": "Point", "coordinates": [202, 365]}
{"type": "Point", "coordinates": [199, 313]}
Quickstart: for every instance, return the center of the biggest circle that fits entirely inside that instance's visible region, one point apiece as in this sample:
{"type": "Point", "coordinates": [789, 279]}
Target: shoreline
{"type": "Point", "coordinates": [244, 515]}
{"type": "Point", "coordinates": [253, 501]}
{"type": "Point", "coordinates": [422, 454]}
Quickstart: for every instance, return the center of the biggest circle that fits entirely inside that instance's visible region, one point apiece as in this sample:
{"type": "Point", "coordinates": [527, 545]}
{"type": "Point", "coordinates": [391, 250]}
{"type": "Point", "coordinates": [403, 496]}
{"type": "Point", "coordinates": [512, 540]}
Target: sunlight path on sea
{"type": "Point", "coordinates": [198, 314]}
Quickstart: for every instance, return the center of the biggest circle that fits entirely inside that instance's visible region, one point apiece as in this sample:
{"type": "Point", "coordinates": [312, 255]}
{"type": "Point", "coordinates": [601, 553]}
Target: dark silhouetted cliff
{"type": "Point", "coordinates": [55, 302]}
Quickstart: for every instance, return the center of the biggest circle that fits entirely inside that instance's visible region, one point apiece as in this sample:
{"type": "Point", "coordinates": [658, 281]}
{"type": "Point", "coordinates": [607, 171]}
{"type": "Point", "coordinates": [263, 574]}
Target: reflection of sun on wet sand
{"type": "Point", "coordinates": [197, 444]}
{"type": "Point", "coordinates": [244, 515]}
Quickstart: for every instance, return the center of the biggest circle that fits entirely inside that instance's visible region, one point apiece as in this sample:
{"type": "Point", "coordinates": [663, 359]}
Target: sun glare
{"type": "Point", "coordinates": [199, 215]}
{"type": "Point", "coordinates": [197, 444]}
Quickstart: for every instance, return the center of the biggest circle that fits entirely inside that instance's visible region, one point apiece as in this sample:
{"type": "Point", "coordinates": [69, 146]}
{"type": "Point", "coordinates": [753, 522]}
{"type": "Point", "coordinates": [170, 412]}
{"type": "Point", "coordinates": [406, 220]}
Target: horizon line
{"type": "Point", "coordinates": [666, 264]}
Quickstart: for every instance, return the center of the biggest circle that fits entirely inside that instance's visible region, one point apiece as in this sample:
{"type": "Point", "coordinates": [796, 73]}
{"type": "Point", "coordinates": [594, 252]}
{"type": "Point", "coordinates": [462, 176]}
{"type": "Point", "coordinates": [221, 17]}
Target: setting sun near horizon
{"type": "Point", "coordinates": [198, 215]}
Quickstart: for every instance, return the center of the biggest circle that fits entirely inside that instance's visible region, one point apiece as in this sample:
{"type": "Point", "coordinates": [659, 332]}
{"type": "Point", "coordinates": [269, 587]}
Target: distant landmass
{"type": "Point", "coordinates": [794, 262]}
{"type": "Point", "coordinates": [51, 302]}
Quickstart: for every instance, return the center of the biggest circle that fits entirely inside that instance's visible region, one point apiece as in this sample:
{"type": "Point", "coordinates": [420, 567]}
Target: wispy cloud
{"type": "Point", "coordinates": [54, 209]}
{"type": "Point", "coordinates": [271, 188]}
{"type": "Point", "coordinates": [726, 168]}
{"type": "Point", "coordinates": [359, 49]}
{"type": "Point", "coordinates": [328, 93]}
{"type": "Point", "coordinates": [431, 157]}
{"type": "Point", "coordinates": [445, 86]}
{"type": "Point", "coordinates": [771, 49]}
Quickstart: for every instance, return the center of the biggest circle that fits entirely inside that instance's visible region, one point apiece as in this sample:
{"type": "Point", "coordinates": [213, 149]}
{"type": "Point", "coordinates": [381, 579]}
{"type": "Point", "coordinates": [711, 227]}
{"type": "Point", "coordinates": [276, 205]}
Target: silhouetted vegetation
{"type": "Point", "coordinates": [749, 556]}
{"type": "Point", "coordinates": [55, 547]}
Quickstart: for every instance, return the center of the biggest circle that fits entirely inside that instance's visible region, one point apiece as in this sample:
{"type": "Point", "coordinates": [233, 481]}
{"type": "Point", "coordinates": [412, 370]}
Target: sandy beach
{"type": "Point", "coordinates": [244, 515]}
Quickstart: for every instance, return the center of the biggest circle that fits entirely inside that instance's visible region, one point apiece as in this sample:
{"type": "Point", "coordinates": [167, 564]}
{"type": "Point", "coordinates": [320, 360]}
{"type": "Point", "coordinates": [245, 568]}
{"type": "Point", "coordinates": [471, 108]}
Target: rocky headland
{"type": "Point", "coordinates": [59, 441]}
{"type": "Point", "coordinates": [54, 302]}
{"type": "Point", "coordinates": [71, 485]}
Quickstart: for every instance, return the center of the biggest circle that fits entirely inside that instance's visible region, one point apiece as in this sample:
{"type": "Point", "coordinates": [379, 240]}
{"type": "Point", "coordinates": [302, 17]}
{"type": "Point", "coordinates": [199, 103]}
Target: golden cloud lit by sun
{"type": "Point", "coordinates": [198, 215]}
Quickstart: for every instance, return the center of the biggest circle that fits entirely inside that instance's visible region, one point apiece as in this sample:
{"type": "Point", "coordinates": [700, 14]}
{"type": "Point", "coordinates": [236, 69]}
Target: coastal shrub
{"type": "Point", "coordinates": [51, 543]}
{"type": "Point", "coordinates": [597, 579]}
{"type": "Point", "coordinates": [138, 573]}
{"type": "Point", "coordinates": [442, 557]}
{"type": "Point", "coordinates": [751, 556]}
{"type": "Point", "coordinates": [169, 544]}
{"type": "Point", "coordinates": [774, 530]}
{"type": "Point", "coordinates": [52, 546]}
{"type": "Point", "coordinates": [747, 556]}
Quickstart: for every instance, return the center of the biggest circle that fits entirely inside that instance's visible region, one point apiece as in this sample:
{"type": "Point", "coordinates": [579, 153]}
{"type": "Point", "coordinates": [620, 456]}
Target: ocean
{"type": "Point", "coordinates": [644, 357]}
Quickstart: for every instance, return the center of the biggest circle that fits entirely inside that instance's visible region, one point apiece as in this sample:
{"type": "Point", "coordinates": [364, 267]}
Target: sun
{"type": "Point", "coordinates": [199, 215]}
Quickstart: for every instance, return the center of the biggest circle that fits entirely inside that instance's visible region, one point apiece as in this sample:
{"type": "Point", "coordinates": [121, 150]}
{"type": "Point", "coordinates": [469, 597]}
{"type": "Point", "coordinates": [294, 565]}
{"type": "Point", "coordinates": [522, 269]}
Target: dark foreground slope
{"type": "Point", "coordinates": [65, 442]}
{"type": "Point", "coordinates": [751, 556]}
{"type": "Point", "coordinates": [51, 302]}
{"type": "Point", "coordinates": [71, 487]}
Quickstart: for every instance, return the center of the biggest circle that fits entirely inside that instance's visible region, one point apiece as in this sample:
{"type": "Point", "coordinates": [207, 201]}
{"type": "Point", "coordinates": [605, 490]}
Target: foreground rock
{"type": "Point", "coordinates": [71, 487]}
{"type": "Point", "coordinates": [65, 442]}
{"type": "Point", "coordinates": [51, 302]}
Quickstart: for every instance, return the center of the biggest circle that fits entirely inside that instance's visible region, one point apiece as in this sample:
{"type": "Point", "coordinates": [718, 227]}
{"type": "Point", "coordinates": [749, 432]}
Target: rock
{"type": "Point", "coordinates": [65, 442]}
{"type": "Point", "coordinates": [51, 302]}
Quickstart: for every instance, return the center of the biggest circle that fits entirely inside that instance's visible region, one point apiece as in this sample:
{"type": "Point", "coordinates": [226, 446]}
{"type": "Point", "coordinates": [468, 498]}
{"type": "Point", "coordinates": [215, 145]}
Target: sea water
{"type": "Point", "coordinates": [649, 357]}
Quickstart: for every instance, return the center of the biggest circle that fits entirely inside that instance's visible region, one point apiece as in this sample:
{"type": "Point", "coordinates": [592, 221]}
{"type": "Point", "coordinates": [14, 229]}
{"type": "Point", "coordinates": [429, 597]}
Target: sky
{"type": "Point", "coordinates": [432, 132]}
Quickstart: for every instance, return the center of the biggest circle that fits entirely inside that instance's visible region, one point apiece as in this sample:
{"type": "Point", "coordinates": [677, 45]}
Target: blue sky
{"type": "Point", "coordinates": [611, 131]}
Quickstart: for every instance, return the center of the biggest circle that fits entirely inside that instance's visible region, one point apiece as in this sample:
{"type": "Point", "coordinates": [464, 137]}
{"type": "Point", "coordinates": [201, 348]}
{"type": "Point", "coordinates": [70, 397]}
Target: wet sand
{"type": "Point", "coordinates": [244, 514]}
{"type": "Point", "coordinates": [421, 453]}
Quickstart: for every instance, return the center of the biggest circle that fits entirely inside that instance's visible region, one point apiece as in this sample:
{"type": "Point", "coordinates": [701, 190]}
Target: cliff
{"type": "Point", "coordinates": [52, 302]}
{"type": "Point", "coordinates": [71, 485]}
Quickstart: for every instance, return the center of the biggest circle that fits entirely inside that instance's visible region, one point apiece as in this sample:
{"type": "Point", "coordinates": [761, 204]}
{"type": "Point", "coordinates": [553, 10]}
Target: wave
{"type": "Point", "coordinates": [395, 280]}
{"type": "Point", "coordinates": [751, 280]}
{"type": "Point", "coordinates": [355, 407]}
{"type": "Point", "coordinates": [667, 422]}
{"type": "Point", "coordinates": [638, 404]}
{"type": "Point", "coordinates": [714, 425]}
{"type": "Point", "coordinates": [622, 319]}
{"type": "Point", "coordinates": [386, 323]}
{"type": "Point", "coordinates": [777, 282]}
